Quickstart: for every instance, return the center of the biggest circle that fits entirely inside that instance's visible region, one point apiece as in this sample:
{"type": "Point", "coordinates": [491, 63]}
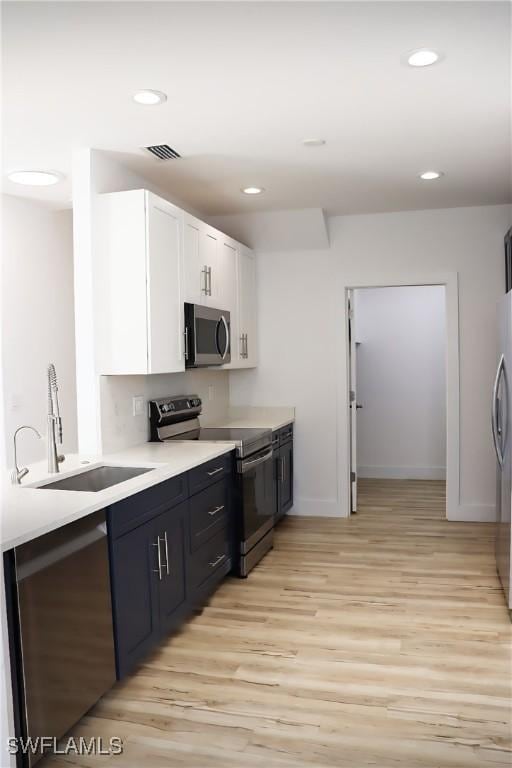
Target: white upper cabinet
{"type": "Point", "coordinates": [244, 348]}
{"type": "Point", "coordinates": [194, 276]}
{"type": "Point", "coordinates": [209, 265]}
{"type": "Point", "coordinates": [139, 291]}
{"type": "Point", "coordinates": [226, 274]}
{"type": "Point", "coordinates": [152, 257]}
{"type": "Point", "coordinates": [247, 331]}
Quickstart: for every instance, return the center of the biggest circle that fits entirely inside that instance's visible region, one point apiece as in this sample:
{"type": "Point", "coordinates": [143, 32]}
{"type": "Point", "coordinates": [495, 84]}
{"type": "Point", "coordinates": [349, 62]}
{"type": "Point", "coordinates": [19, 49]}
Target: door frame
{"type": "Point", "coordinates": [450, 281]}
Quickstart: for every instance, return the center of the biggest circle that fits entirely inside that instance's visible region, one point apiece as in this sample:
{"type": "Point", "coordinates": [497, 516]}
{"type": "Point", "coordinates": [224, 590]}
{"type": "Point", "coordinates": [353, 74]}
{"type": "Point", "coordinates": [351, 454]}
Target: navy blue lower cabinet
{"type": "Point", "coordinates": [166, 560]}
{"type": "Point", "coordinates": [283, 472]}
{"type": "Point", "coordinates": [133, 559]}
{"type": "Point", "coordinates": [286, 487]}
{"type": "Point", "coordinates": [170, 564]}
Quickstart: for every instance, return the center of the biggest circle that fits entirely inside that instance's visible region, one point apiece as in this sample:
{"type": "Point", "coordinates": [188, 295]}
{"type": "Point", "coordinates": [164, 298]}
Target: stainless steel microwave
{"type": "Point", "coordinates": [207, 336]}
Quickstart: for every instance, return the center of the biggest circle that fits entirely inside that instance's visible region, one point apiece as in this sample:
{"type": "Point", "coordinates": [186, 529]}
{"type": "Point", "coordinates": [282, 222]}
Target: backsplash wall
{"type": "Point", "coordinates": [121, 429]}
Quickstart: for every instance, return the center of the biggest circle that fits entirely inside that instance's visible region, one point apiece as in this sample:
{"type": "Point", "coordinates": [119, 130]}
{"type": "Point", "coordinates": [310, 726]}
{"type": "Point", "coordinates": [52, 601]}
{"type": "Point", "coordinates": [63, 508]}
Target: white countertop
{"type": "Point", "coordinates": [255, 417]}
{"type": "Point", "coordinates": [30, 512]}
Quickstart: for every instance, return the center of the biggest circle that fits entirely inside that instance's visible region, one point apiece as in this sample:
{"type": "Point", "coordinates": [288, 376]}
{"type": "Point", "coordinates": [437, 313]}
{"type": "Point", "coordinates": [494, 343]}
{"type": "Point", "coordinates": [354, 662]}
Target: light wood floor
{"type": "Point", "coordinates": [380, 641]}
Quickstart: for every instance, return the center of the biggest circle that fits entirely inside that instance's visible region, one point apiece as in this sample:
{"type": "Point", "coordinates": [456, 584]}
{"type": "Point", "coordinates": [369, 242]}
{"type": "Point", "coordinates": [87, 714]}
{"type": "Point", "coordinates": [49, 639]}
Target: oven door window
{"type": "Point", "coordinates": [258, 495]}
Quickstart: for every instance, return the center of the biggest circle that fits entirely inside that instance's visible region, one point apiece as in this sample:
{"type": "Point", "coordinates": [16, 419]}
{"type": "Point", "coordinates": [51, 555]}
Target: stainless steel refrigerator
{"type": "Point", "coordinates": [502, 435]}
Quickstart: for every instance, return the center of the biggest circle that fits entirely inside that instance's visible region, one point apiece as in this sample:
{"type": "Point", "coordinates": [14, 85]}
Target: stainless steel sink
{"type": "Point", "coordinates": [96, 479]}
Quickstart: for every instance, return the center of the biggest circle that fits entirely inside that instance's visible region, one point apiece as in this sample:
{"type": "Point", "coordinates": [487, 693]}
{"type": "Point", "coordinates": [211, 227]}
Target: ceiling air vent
{"type": "Point", "coordinates": [163, 152]}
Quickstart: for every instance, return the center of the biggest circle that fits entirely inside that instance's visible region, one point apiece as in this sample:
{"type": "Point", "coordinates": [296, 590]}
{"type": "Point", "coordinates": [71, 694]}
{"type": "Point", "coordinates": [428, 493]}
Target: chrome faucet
{"type": "Point", "coordinates": [18, 474]}
{"type": "Point", "coordinates": [54, 421]}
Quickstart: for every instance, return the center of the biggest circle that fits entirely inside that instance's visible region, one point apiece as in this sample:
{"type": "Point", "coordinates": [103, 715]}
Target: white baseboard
{"type": "Point", "coordinates": [403, 473]}
{"type": "Point", "coordinates": [470, 513]}
{"type": "Point", "coordinates": [473, 513]}
{"type": "Point", "coordinates": [315, 508]}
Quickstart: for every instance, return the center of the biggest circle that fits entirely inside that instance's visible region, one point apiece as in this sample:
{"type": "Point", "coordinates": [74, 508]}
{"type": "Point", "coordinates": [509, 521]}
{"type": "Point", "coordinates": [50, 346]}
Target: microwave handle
{"type": "Point", "coordinates": [226, 326]}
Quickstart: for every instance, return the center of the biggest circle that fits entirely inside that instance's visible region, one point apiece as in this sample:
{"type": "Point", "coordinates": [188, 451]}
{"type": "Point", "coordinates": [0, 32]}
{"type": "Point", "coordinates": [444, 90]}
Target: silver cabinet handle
{"type": "Point", "coordinates": [209, 281]}
{"type": "Point", "coordinates": [282, 469]}
{"type": "Point", "coordinates": [215, 471]}
{"type": "Point", "coordinates": [494, 413]}
{"type": "Point", "coordinates": [204, 272]}
{"type": "Point", "coordinates": [217, 561]}
{"type": "Point", "coordinates": [243, 340]}
{"type": "Point", "coordinates": [166, 553]}
{"type": "Point", "coordinates": [159, 569]}
{"type": "Point", "coordinates": [185, 334]}
{"type": "Point", "coordinates": [213, 512]}
{"type": "Point", "coordinates": [246, 346]}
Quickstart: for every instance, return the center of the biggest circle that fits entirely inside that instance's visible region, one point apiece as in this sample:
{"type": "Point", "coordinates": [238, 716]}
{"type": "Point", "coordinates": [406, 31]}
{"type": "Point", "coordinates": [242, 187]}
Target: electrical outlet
{"type": "Point", "coordinates": [211, 392]}
{"type": "Point", "coordinates": [138, 405]}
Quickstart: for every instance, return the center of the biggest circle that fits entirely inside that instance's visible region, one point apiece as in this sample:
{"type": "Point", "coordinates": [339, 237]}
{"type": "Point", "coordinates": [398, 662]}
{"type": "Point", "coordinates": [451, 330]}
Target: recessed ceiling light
{"type": "Point", "coordinates": [313, 142]}
{"type": "Point", "coordinates": [149, 98]}
{"type": "Point", "coordinates": [252, 190]}
{"type": "Point", "coordinates": [35, 178]}
{"type": "Point", "coordinates": [431, 175]}
{"type": "Point", "coordinates": [422, 57]}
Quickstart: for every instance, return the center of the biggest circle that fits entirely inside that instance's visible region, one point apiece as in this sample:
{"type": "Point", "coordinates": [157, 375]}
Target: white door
{"type": "Point", "coordinates": [226, 269]}
{"type": "Point", "coordinates": [247, 307]}
{"type": "Point", "coordinates": [163, 285]}
{"type": "Point", "coordinates": [194, 276]}
{"type": "Point", "coordinates": [352, 404]}
{"type": "Point", "coordinates": [209, 263]}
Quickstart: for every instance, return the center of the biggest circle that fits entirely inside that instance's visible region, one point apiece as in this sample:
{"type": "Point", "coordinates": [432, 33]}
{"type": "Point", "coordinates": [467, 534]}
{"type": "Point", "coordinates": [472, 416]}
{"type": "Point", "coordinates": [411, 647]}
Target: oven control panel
{"type": "Point", "coordinates": [175, 408]}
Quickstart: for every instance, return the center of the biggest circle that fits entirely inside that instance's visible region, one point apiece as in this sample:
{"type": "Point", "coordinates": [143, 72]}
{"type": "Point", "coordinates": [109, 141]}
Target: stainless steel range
{"type": "Point", "coordinates": [177, 418]}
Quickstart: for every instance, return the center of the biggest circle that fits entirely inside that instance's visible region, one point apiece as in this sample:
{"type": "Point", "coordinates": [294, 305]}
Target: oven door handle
{"type": "Point", "coordinates": [247, 465]}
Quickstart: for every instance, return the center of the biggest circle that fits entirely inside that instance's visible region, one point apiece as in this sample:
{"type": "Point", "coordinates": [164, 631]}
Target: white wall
{"type": "Point", "coordinates": [37, 321]}
{"type": "Point", "coordinates": [302, 229]}
{"type": "Point", "coordinates": [37, 328]}
{"type": "Point", "coordinates": [6, 703]}
{"type": "Point", "coordinates": [401, 429]}
{"type": "Point", "coordinates": [299, 299]}
{"type": "Point", "coordinates": [297, 366]}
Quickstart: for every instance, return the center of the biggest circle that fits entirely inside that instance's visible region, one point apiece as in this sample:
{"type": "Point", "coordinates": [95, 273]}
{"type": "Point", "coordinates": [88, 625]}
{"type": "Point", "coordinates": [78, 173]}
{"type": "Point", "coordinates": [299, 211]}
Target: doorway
{"type": "Point", "coordinates": [402, 371]}
{"type": "Point", "coordinates": [398, 384]}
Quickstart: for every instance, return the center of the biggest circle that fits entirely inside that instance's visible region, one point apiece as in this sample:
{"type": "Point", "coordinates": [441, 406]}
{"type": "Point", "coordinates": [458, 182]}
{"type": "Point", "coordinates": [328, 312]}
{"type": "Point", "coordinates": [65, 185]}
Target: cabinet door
{"type": "Point", "coordinates": [133, 560]}
{"type": "Point", "coordinates": [193, 270]}
{"type": "Point", "coordinates": [286, 474]}
{"type": "Point", "coordinates": [163, 282]}
{"type": "Point", "coordinates": [247, 306]}
{"type": "Point", "coordinates": [209, 262]}
{"type": "Point", "coordinates": [276, 459]}
{"type": "Point", "coordinates": [170, 532]}
{"type": "Point", "coordinates": [226, 269]}
{"type": "Point", "coordinates": [120, 296]}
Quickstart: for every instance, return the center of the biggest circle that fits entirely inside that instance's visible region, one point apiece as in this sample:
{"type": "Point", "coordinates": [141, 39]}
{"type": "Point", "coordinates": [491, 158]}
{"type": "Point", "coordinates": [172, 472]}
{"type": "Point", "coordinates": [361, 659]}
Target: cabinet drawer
{"type": "Point", "coordinates": [209, 558]}
{"type": "Point", "coordinates": [286, 434]}
{"type": "Point", "coordinates": [140, 507]}
{"type": "Point", "coordinates": [209, 472]}
{"type": "Point", "coordinates": [208, 513]}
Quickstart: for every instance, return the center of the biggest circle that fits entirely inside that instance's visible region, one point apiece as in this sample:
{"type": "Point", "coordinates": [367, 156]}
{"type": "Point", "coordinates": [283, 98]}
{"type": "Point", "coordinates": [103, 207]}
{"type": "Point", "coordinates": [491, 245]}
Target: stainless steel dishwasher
{"type": "Point", "coordinates": [65, 629]}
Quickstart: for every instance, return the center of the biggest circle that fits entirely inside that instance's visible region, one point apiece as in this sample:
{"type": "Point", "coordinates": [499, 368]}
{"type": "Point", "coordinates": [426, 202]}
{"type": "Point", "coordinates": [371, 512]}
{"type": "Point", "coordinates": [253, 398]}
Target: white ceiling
{"type": "Point", "coordinates": [247, 82]}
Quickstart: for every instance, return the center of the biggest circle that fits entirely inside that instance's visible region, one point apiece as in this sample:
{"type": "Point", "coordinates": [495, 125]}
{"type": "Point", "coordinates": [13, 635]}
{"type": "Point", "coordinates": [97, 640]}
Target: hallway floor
{"type": "Point", "coordinates": [380, 641]}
